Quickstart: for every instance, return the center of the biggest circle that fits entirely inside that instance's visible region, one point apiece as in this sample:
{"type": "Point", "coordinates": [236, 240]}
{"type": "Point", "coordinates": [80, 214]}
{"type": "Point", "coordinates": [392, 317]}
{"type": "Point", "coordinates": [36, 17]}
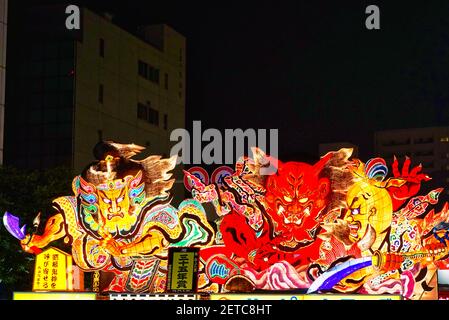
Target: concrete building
{"type": "Point", "coordinates": [428, 146]}
{"type": "Point", "coordinates": [125, 88]}
{"type": "Point", "coordinates": [3, 36]}
{"type": "Point", "coordinates": [73, 88]}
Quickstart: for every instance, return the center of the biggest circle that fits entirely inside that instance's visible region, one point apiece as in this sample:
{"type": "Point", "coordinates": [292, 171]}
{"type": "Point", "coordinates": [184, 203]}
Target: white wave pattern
{"type": "Point", "coordinates": [403, 286]}
{"type": "Point", "coordinates": [279, 276]}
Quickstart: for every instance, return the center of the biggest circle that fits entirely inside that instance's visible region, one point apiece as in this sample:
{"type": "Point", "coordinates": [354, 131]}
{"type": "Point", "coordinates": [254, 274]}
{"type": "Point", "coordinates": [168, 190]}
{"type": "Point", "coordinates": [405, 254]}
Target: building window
{"type": "Point", "coordinates": [396, 142]}
{"type": "Point", "coordinates": [423, 140]}
{"type": "Point", "coordinates": [428, 165]}
{"type": "Point", "coordinates": [148, 72]}
{"type": "Point", "coordinates": [143, 69]}
{"type": "Point", "coordinates": [166, 81]}
{"type": "Point", "coordinates": [156, 75]}
{"type": "Point", "coordinates": [424, 153]}
{"type": "Point", "coordinates": [102, 47]}
{"type": "Point", "coordinates": [100, 93]}
{"type": "Point", "coordinates": [145, 112]}
{"type": "Point", "coordinates": [153, 116]}
{"type": "Point", "coordinates": [142, 111]}
{"type": "Point", "coordinates": [165, 121]}
{"type": "Point", "coordinates": [153, 74]}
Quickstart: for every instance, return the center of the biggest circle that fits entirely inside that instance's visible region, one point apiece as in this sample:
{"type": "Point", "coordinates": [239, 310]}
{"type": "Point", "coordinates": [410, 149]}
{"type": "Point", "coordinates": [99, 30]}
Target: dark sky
{"type": "Point", "coordinates": [309, 68]}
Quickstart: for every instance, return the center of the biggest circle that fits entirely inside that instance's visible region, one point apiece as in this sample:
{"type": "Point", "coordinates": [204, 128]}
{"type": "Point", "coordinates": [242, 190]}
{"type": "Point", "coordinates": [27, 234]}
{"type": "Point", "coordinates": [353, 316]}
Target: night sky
{"type": "Point", "coordinates": [309, 68]}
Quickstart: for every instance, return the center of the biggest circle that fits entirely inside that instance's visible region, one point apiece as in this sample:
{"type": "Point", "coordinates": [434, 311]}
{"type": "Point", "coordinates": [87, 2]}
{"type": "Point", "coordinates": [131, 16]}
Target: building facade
{"type": "Point", "coordinates": [126, 89]}
{"type": "Point", "coordinates": [73, 88]}
{"type": "Point", "coordinates": [3, 41]}
{"type": "Point", "coordinates": [426, 146]}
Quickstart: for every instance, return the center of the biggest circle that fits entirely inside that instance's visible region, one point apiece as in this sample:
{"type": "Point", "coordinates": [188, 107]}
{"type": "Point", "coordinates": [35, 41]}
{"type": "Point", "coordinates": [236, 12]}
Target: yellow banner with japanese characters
{"type": "Point", "coordinates": [183, 270]}
{"type": "Point", "coordinates": [53, 271]}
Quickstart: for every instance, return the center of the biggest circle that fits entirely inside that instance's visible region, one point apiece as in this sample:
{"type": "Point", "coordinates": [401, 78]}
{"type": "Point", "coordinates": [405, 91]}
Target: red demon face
{"type": "Point", "coordinates": [295, 197]}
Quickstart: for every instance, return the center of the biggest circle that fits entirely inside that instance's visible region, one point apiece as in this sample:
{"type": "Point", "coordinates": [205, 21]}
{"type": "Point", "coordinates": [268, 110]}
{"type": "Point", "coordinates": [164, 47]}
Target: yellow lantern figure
{"type": "Point", "coordinates": [369, 204]}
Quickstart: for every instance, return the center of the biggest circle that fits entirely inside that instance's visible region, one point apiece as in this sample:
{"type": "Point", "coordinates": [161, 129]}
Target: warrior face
{"type": "Point", "coordinates": [115, 210]}
{"type": "Point", "coordinates": [113, 206]}
{"type": "Point", "coordinates": [367, 204]}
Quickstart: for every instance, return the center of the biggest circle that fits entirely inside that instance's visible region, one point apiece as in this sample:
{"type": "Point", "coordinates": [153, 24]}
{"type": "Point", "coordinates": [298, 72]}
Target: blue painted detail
{"type": "Point", "coordinates": [218, 270]}
{"type": "Point", "coordinates": [136, 191]}
{"type": "Point", "coordinates": [90, 198]}
{"type": "Point", "coordinates": [333, 276]}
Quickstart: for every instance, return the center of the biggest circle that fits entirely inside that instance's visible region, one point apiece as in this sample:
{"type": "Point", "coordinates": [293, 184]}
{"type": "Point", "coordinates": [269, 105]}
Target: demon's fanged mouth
{"type": "Point", "coordinates": [296, 218]}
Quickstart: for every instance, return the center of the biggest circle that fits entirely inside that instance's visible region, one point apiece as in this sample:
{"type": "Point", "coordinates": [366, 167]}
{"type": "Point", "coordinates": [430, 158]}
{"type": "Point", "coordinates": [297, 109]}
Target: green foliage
{"type": "Point", "coordinates": [24, 194]}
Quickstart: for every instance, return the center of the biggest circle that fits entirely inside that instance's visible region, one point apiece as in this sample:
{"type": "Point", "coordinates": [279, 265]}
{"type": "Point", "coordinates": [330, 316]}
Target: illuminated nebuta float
{"type": "Point", "coordinates": [339, 225]}
{"type": "Point", "coordinates": [120, 220]}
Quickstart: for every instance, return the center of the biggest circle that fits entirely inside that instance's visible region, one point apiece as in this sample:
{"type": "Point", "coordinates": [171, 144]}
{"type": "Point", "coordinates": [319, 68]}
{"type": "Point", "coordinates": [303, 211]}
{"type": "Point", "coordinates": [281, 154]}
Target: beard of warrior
{"type": "Point", "coordinates": [296, 195]}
